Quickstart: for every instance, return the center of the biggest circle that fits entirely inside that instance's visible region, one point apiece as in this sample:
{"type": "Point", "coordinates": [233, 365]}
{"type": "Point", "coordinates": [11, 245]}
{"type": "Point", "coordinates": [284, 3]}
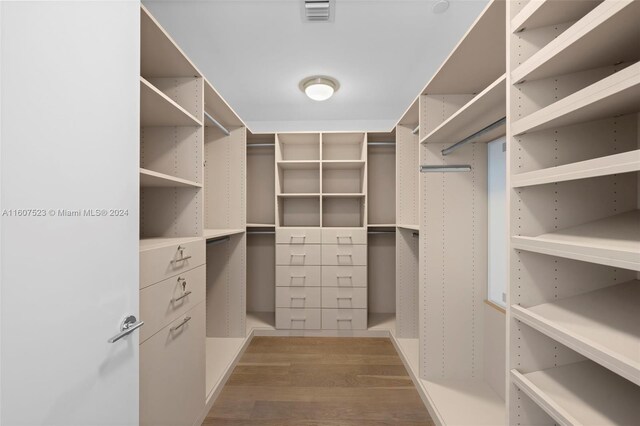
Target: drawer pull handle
{"type": "Point", "coordinates": [344, 255]}
{"type": "Point", "coordinates": [298, 319]}
{"type": "Point", "coordinates": [299, 277]}
{"type": "Point", "coordinates": [344, 297]}
{"type": "Point", "coordinates": [345, 277]}
{"type": "Point", "coordinates": [297, 237]}
{"type": "Point", "coordinates": [293, 254]}
{"type": "Point", "coordinates": [298, 297]}
{"type": "Point", "coordinates": [344, 237]}
{"type": "Point", "coordinates": [184, 321]}
{"type": "Point", "coordinates": [176, 299]}
{"type": "Point", "coordinates": [344, 319]}
{"type": "Point", "coordinates": [182, 259]}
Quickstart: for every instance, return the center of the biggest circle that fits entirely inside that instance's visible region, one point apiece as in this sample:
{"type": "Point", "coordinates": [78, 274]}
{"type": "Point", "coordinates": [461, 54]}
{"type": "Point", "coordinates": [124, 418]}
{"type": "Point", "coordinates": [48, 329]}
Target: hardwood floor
{"type": "Point", "coordinates": [319, 381]}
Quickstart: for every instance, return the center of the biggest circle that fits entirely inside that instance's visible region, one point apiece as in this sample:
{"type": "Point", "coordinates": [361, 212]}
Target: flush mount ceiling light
{"type": "Point", "coordinates": [441, 6]}
{"type": "Point", "coordinates": [319, 87]}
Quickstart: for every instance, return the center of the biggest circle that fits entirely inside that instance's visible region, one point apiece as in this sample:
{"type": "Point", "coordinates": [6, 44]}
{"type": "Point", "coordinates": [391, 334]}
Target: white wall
{"type": "Point", "coordinates": [69, 139]}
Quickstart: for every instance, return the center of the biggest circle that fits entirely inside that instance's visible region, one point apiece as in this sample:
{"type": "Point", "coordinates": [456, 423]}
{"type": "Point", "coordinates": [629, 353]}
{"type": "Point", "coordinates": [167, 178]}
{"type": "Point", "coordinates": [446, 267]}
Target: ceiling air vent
{"type": "Point", "coordinates": [317, 10]}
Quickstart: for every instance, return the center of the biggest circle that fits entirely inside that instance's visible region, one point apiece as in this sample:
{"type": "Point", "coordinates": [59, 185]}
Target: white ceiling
{"type": "Point", "coordinates": [255, 52]}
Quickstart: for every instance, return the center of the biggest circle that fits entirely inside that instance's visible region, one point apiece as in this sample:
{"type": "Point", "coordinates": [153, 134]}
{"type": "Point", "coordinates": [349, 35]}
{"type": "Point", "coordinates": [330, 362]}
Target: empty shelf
{"type": "Point", "coordinates": [299, 165]}
{"type": "Point", "coordinates": [342, 164]}
{"type": "Point", "coordinates": [411, 227]}
{"type": "Point", "coordinates": [261, 225]}
{"type": "Point", "coordinates": [210, 234]}
{"type": "Point", "coordinates": [304, 195]}
{"type": "Point", "coordinates": [149, 178]}
{"type": "Point", "coordinates": [613, 241]}
{"type": "Point", "coordinates": [582, 393]}
{"type": "Point", "coordinates": [343, 195]}
{"type": "Point", "coordinates": [221, 353]}
{"type": "Point", "coordinates": [607, 35]}
{"type": "Point", "coordinates": [155, 243]}
{"type": "Point", "coordinates": [602, 325]}
{"type": "Point", "coordinates": [625, 162]}
{"type": "Point", "coordinates": [540, 13]}
{"type": "Point", "coordinates": [157, 109]}
{"type": "Point", "coordinates": [218, 108]}
{"type": "Point", "coordinates": [487, 107]}
{"type": "Point", "coordinates": [614, 95]}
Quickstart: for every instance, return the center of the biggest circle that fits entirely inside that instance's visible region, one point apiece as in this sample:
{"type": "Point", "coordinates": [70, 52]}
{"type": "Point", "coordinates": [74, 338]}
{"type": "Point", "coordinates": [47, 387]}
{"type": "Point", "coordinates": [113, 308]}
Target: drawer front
{"type": "Point", "coordinates": [172, 372]}
{"type": "Point", "coordinates": [351, 298]}
{"type": "Point", "coordinates": [298, 236]}
{"type": "Point", "coordinates": [165, 301]}
{"type": "Point", "coordinates": [298, 276]}
{"type": "Point", "coordinates": [344, 319]}
{"type": "Point", "coordinates": [344, 236]}
{"type": "Point", "coordinates": [344, 276]}
{"type": "Point", "coordinates": [298, 255]}
{"type": "Point", "coordinates": [298, 319]}
{"type": "Point", "coordinates": [165, 262]}
{"type": "Point", "coordinates": [298, 297]}
{"type": "Point", "coordinates": [333, 254]}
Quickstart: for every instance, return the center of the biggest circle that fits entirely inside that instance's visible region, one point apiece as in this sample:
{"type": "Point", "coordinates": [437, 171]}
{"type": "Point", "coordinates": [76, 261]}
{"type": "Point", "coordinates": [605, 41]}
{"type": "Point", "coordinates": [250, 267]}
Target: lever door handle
{"type": "Point", "coordinates": [127, 327]}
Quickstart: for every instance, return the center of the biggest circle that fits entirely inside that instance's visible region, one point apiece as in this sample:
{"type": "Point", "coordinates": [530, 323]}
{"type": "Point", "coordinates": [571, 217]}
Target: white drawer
{"type": "Point", "coordinates": [333, 254]}
{"type": "Point", "coordinates": [165, 301]}
{"type": "Point", "coordinates": [298, 276]}
{"type": "Point", "coordinates": [344, 276]}
{"type": "Point", "coordinates": [298, 255]}
{"type": "Point", "coordinates": [164, 262]}
{"type": "Point", "coordinates": [353, 298]}
{"type": "Point", "coordinates": [344, 236]}
{"type": "Point", "coordinates": [344, 319]}
{"type": "Point", "coordinates": [298, 319]}
{"type": "Point", "coordinates": [172, 372]}
{"type": "Point", "coordinates": [297, 297]}
{"type": "Point", "coordinates": [298, 236]}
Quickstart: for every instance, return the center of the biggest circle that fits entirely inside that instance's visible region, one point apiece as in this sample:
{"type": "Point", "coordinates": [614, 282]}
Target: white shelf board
{"type": "Point", "coordinates": [379, 321]}
{"type": "Point", "coordinates": [613, 241]}
{"type": "Point", "coordinates": [607, 35]}
{"type": "Point", "coordinates": [614, 95]}
{"type": "Point", "coordinates": [210, 234]}
{"type": "Point", "coordinates": [603, 325]}
{"type": "Point", "coordinates": [343, 195]}
{"type": "Point", "coordinates": [159, 242]}
{"type": "Point", "coordinates": [541, 13]}
{"type": "Point", "coordinates": [299, 165]}
{"type": "Point", "coordinates": [343, 164]}
{"type": "Point", "coordinates": [297, 195]}
{"type": "Point", "coordinates": [219, 109]}
{"type": "Point", "coordinates": [407, 226]}
{"type": "Point", "coordinates": [221, 352]}
{"type": "Point", "coordinates": [410, 117]}
{"type": "Point", "coordinates": [484, 109]}
{"type": "Point", "coordinates": [582, 393]}
{"type": "Point", "coordinates": [625, 162]}
{"type": "Point", "coordinates": [149, 178]}
{"type": "Point", "coordinates": [484, 42]}
{"type": "Point", "coordinates": [381, 225]}
{"type": "Point", "coordinates": [261, 225]}
{"type": "Point", "coordinates": [260, 321]}
{"type": "Point", "coordinates": [160, 56]}
{"type": "Point", "coordinates": [157, 109]}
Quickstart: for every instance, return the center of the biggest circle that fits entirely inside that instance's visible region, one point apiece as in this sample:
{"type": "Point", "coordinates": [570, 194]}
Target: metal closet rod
{"type": "Point", "coordinates": [416, 130]}
{"type": "Point", "coordinates": [415, 234]}
{"type": "Point", "coordinates": [218, 240]}
{"type": "Point", "coordinates": [215, 123]}
{"type": "Point", "coordinates": [469, 139]}
{"type": "Point", "coordinates": [261, 145]}
{"type": "Point", "coordinates": [381, 143]}
{"type": "Point", "coordinates": [445, 168]}
{"type": "Point", "coordinates": [261, 232]}
{"type": "Point", "coordinates": [381, 232]}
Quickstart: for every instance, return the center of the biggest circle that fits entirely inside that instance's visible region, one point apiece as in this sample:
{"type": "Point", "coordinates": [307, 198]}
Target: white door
{"type": "Point", "coordinates": [69, 153]}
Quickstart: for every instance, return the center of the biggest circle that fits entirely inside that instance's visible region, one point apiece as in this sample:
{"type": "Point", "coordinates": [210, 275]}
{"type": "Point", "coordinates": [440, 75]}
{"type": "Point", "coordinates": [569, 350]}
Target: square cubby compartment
{"type": "Point", "coordinates": [343, 177]}
{"type": "Point", "coordinates": [299, 177]}
{"type": "Point", "coordinates": [343, 211]}
{"type": "Point", "coordinates": [298, 146]}
{"type": "Point", "coordinates": [343, 146]}
{"type": "Point", "coordinates": [298, 210]}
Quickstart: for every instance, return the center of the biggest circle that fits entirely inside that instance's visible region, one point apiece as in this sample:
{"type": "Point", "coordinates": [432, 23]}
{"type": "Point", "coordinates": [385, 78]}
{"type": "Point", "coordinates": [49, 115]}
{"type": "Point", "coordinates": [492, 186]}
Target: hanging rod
{"type": "Point", "coordinates": [416, 130]}
{"type": "Point", "coordinates": [261, 145]}
{"type": "Point", "coordinates": [381, 143]}
{"type": "Point", "coordinates": [468, 139]}
{"type": "Point", "coordinates": [415, 234]}
{"type": "Point", "coordinates": [445, 168]}
{"type": "Point", "coordinates": [261, 232]}
{"type": "Point", "coordinates": [218, 240]}
{"type": "Point", "coordinates": [215, 123]}
{"type": "Point", "coordinates": [381, 232]}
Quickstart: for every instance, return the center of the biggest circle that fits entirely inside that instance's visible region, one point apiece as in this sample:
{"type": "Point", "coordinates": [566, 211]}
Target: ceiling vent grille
{"type": "Point", "coordinates": [317, 10]}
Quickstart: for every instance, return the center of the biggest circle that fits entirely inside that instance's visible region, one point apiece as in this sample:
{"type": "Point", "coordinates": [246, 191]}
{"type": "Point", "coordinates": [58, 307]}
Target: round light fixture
{"type": "Point", "coordinates": [319, 88]}
{"type": "Point", "coordinates": [441, 6]}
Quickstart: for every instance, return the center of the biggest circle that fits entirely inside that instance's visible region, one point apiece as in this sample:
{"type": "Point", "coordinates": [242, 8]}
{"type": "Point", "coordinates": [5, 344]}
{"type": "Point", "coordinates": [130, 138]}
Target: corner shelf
{"type": "Point", "coordinates": [157, 109]}
{"type": "Point", "coordinates": [485, 108]}
{"type": "Point", "coordinates": [607, 35]}
{"type": "Point", "coordinates": [613, 241]}
{"type": "Point", "coordinates": [149, 178]}
{"type": "Point", "coordinates": [625, 162]}
{"type": "Point", "coordinates": [582, 393]}
{"type": "Point", "coordinates": [541, 13]}
{"type": "Point", "coordinates": [210, 234]}
{"type": "Point", "coordinates": [601, 325]}
{"type": "Point", "coordinates": [614, 95]}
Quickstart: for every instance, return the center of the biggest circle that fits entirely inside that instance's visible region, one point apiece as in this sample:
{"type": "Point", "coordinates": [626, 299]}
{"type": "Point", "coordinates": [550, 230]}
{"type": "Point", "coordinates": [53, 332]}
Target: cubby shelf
{"type": "Point", "coordinates": [300, 195]}
{"type": "Point", "coordinates": [582, 393]}
{"type": "Point", "coordinates": [410, 227]}
{"type": "Point", "coordinates": [601, 325]}
{"type": "Point", "coordinates": [156, 243]}
{"type": "Point", "coordinates": [607, 35]}
{"type": "Point", "coordinates": [614, 95]}
{"type": "Point", "coordinates": [541, 13]}
{"type": "Point", "coordinates": [343, 195]}
{"type": "Point", "coordinates": [299, 165]}
{"type": "Point", "coordinates": [343, 164]}
{"type": "Point", "coordinates": [625, 162]}
{"type": "Point", "coordinates": [149, 178]}
{"type": "Point", "coordinates": [261, 225]}
{"type": "Point", "coordinates": [484, 109]}
{"type": "Point", "coordinates": [157, 109]}
{"type": "Point", "coordinates": [613, 241]}
{"type": "Point", "coordinates": [210, 234]}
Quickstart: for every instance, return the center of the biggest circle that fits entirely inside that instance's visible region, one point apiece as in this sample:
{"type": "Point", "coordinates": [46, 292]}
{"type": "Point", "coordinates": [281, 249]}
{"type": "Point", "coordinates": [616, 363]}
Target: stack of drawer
{"type": "Point", "coordinates": [321, 278]}
{"type": "Point", "coordinates": [172, 340]}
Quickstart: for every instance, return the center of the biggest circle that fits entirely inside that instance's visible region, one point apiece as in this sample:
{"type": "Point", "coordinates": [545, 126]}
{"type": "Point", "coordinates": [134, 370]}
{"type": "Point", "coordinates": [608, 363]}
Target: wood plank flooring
{"type": "Point", "coordinates": [319, 381]}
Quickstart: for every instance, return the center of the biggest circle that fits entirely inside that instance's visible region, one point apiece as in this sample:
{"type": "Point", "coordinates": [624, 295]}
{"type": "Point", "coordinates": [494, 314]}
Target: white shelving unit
{"type": "Point", "coordinates": [158, 110]}
{"type": "Point", "coordinates": [149, 178]}
{"type": "Point", "coordinates": [574, 297]}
